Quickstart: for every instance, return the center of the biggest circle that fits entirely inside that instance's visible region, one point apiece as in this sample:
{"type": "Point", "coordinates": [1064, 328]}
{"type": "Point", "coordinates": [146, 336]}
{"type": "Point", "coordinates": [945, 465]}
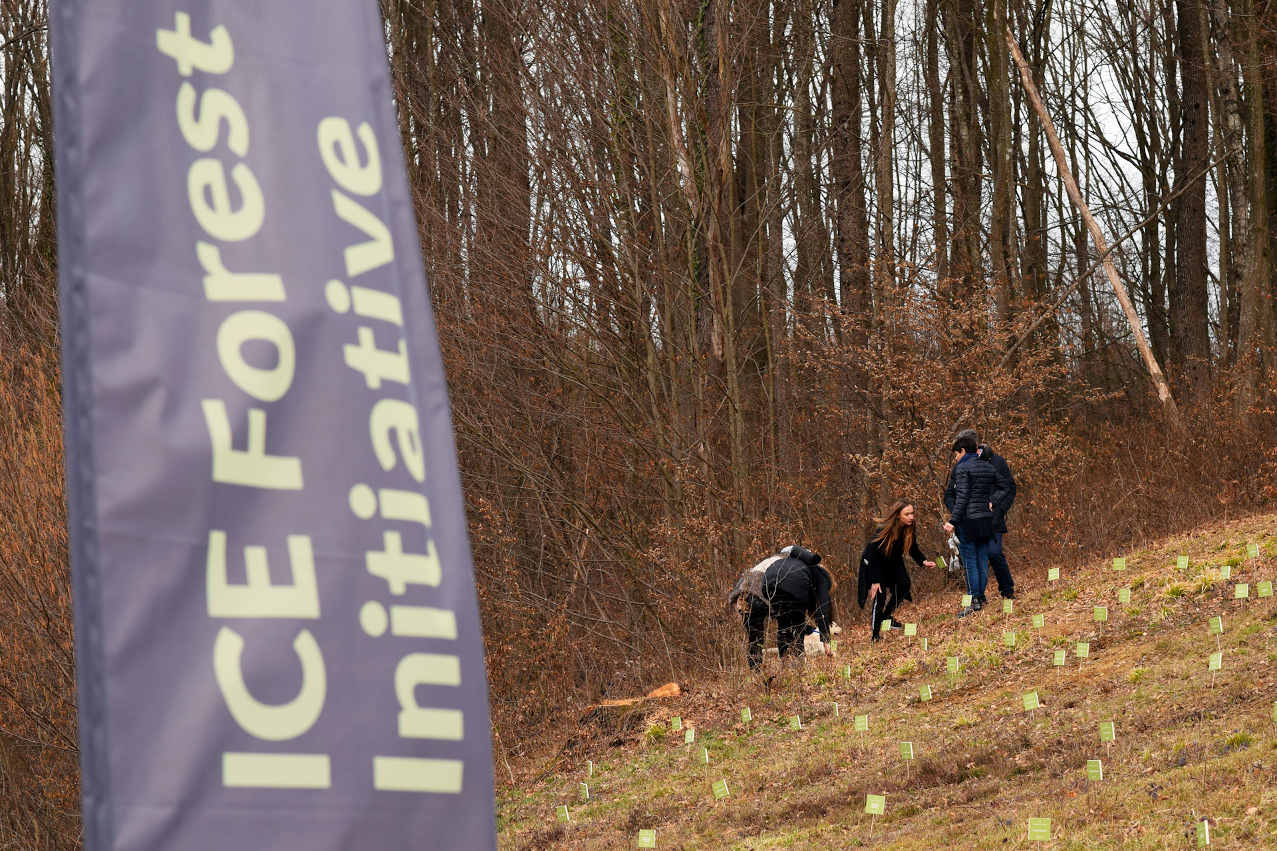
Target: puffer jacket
{"type": "Point", "coordinates": [975, 485]}
{"type": "Point", "coordinates": [1005, 481]}
{"type": "Point", "coordinates": [800, 577]}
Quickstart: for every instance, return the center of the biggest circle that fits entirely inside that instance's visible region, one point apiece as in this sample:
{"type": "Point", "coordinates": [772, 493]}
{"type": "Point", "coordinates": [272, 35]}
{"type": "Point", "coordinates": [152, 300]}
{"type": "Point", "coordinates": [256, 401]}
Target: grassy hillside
{"type": "Point", "coordinates": [1189, 746]}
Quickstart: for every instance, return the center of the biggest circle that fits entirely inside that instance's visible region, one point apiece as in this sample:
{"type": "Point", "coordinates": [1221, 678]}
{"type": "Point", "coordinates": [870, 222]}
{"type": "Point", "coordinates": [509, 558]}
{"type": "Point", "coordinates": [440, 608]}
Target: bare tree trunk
{"type": "Point", "coordinates": [936, 139]}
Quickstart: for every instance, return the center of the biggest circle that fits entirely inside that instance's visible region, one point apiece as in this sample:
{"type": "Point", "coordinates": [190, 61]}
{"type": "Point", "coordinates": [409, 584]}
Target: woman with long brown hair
{"type": "Point", "coordinates": [883, 578]}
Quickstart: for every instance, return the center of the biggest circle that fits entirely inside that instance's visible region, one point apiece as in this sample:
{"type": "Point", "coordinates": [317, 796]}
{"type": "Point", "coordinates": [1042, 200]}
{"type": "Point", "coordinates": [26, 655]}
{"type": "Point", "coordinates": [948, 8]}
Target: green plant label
{"type": "Point", "coordinates": [1203, 833]}
{"type": "Point", "coordinates": [924, 643]}
{"type": "Point", "coordinates": [924, 692]}
{"type": "Point", "coordinates": [911, 629]}
{"type": "Point", "coordinates": [1119, 564]}
{"type": "Point", "coordinates": [836, 714]}
{"type": "Point", "coordinates": [1265, 588]}
{"type": "Point", "coordinates": [1031, 701]}
{"type": "Point", "coordinates": [875, 805]}
{"type": "Point", "coordinates": [1226, 571]}
{"type": "Point", "coordinates": [1108, 732]}
{"type": "Point", "coordinates": [906, 750]}
{"type": "Point", "coordinates": [1039, 621]}
{"type": "Point", "coordinates": [585, 791]}
{"type": "Point", "coordinates": [689, 735]}
{"type": "Point", "coordinates": [1094, 770]}
{"type": "Point", "coordinates": [647, 839]}
{"type": "Point", "coordinates": [886, 624]}
{"type": "Point", "coordinates": [563, 814]}
{"type": "Point", "coordinates": [1182, 562]}
{"type": "Point", "coordinates": [966, 600]}
{"type": "Point", "coordinates": [846, 672]}
{"type": "Point", "coordinates": [1217, 625]}
{"type": "Point", "coordinates": [1241, 591]}
{"type": "Point", "coordinates": [1008, 638]}
{"type": "Point", "coordinates": [1059, 657]}
{"type": "Point", "coordinates": [1008, 606]}
{"type": "Point", "coordinates": [1124, 595]}
{"type": "Point", "coordinates": [1052, 574]}
{"type": "Point", "coordinates": [704, 756]}
{"type": "Point", "coordinates": [676, 723]}
{"type": "Point", "coordinates": [952, 664]}
{"type": "Point", "coordinates": [720, 789]}
{"type": "Point", "coordinates": [746, 715]}
{"type": "Point", "coordinates": [833, 647]}
{"type": "Point", "coordinates": [589, 768]}
{"type": "Point", "coordinates": [1216, 661]}
{"type": "Point", "coordinates": [944, 565]}
{"type": "Point", "coordinates": [862, 723]}
{"type": "Point", "coordinates": [1252, 550]}
{"type": "Point", "coordinates": [1101, 613]}
{"type": "Point", "coordinates": [1039, 830]}
{"type": "Point", "coordinates": [1082, 649]}
{"type": "Point", "coordinates": [795, 723]}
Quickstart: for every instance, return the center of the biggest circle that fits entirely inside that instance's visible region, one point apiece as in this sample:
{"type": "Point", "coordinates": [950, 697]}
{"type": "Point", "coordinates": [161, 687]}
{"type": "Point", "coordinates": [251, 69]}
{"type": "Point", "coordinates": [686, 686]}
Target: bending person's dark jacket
{"type": "Point", "coordinates": [800, 576]}
{"type": "Point", "coordinates": [975, 485]}
{"type": "Point", "coordinates": [1005, 481]}
{"type": "Point", "coordinates": [887, 569]}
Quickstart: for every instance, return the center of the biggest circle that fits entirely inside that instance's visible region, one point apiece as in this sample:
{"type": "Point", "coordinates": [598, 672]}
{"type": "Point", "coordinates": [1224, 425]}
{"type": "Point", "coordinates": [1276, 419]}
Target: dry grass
{"type": "Point", "coordinates": [1188, 747]}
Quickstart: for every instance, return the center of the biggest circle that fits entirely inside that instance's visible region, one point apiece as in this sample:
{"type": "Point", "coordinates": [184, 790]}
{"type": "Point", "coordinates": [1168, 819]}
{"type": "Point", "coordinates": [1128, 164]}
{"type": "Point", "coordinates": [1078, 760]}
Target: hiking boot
{"type": "Point", "coordinates": [977, 605]}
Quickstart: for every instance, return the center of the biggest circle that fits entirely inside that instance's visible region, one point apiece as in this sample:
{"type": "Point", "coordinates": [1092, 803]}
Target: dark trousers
{"type": "Point", "coordinates": [998, 564]}
{"type": "Point", "coordinates": [884, 606]}
{"type": "Point", "coordinates": [791, 624]}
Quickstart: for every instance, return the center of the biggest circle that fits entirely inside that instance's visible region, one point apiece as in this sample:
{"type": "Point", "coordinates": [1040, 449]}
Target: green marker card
{"type": "Point", "coordinates": [746, 715]}
{"type": "Point", "coordinates": [689, 735]}
{"type": "Point", "coordinates": [1119, 564]}
{"type": "Point", "coordinates": [1252, 550]}
{"type": "Point", "coordinates": [875, 805]}
{"type": "Point", "coordinates": [1203, 833]}
{"type": "Point", "coordinates": [1008, 638]}
{"type": "Point", "coordinates": [1241, 591]}
{"type": "Point", "coordinates": [924, 692]}
{"type": "Point", "coordinates": [795, 723]}
{"type": "Point", "coordinates": [906, 750]}
{"type": "Point", "coordinates": [1094, 770]}
{"type": "Point", "coordinates": [1039, 830]}
{"type": "Point", "coordinates": [1217, 625]}
{"type": "Point", "coordinates": [1031, 701]}
{"type": "Point", "coordinates": [589, 768]}
{"type": "Point", "coordinates": [1124, 595]}
{"type": "Point", "coordinates": [925, 642]}
{"type": "Point", "coordinates": [1182, 562]}
{"type": "Point", "coordinates": [966, 600]}
{"type": "Point", "coordinates": [1216, 661]}
{"type": "Point", "coordinates": [1052, 574]}
{"type": "Point", "coordinates": [1265, 588]}
{"type": "Point", "coordinates": [720, 789]}
{"type": "Point", "coordinates": [1082, 650]}
{"type": "Point", "coordinates": [846, 672]}
{"type": "Point", "coordinates": [833, 647]}
{"type": "Point", "coordinates": [952, 664]}
{"type": "Point", "coordinates": [585, 791]}
{"type": "Point", "coordinates": [1008, 606]}
{"type": "Point", "coordinates": [886, 624]}
{"type": "Point", "coordinates": [1108, 732]}
{"type": "Point", "coordinates": [1101, 613]}
{"type": "Point", "coordinates": [1039, 621]}
{"type": "Point", "coordinates": [1226, 571]}
{"type": "Point", "coordinates": [944, 565]}
{"type": "Point", "coordinates": [704, 756]}
{"type": "Point", "coordinates": [862, 723]}
{"type": "Point", "coordinates": [676, 723]}
{"type": "Point", "coordinates": [911, 629]}
{"type": "Point", "coordinates": [1059, 657]}
{"type": "Point", "coordinates": [647, 839]}
{"type": "Point", "coordinates": [563, 814]}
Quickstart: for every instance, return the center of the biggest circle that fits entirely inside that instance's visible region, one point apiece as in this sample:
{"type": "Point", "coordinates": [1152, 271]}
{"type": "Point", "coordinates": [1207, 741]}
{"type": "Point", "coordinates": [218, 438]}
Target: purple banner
{"type": "Point", "coordinates": [277, 632]}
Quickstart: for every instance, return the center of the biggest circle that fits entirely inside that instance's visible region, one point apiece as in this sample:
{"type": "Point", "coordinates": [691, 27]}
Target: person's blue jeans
{"type": "Point", "coordinates": [975, 560]}
{"type": "Point", "coordinates": [998, 564]}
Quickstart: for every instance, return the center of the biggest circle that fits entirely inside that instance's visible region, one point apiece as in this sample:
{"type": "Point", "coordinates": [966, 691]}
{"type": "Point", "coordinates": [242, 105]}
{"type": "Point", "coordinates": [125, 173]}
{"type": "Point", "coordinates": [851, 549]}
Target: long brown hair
{"type": "Point", "coordinates": [894, 535]}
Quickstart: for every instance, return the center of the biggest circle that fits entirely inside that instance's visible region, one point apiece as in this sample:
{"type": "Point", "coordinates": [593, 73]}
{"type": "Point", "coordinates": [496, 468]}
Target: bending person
{"type": "Point", "coordinates": [793, 586]}
{"type": "Point", "coordinates": [884, 581]}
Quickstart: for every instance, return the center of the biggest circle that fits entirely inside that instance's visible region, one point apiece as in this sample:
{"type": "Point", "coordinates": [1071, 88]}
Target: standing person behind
{"type": "Point", "coordinates": [883, 577]}
{"type": "Point", "coordinates": [970, 496]}
{"type": "Point", "coordinates": [1006, 483]}
{"type": "Point", "coordinates": [792, 588]}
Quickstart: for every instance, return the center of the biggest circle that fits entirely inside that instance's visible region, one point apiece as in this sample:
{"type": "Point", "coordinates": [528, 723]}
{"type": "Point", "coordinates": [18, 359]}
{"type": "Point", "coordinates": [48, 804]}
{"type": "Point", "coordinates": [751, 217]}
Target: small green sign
{"type": "Point", "coordinates": [924, 692]}
{"type": "Point", "coordinates": [1182, 562]}
{"type": "Point", "coordinates": [1265, 588]}
{"type": "Point", "coordinates": [1252, 550]}
{"type": "Point", "coordinates": [1217, 625]}
{"type": "Point", "coordinates": [563, 814]}
{"type": "Point", "coordinates": [966, 600]}
{"type": "Point", "coordinates": [1039, 621]}
{"type": "Point", "coordinates": [944, 565]}
{"type": "Point", "coordinates": [886, 624]}
{"type": "Point", "coordinates": [1226, 571]}
{"type": "Point", "coordinates": [1094, 770]}
{"type": "Point", "coordinates": [1039, 830]}
{"type": "Point", "coordinates": [1124, 595]}
{"type": "Point", "coordinates": [1052, 574]}
{"type": "Point", "coordinates": [862, 723]}
{"type": "Point", "coordinates": [1108, 732]}
{"type": "Point", "coordinates": [1119, 564]}
{"type": "Point", "coordinates": [746, 715]}
{"type": "Point", "coordinates": [1216, 661]}
{"type": "Point", "coordinates": [911, 629]}
{"type": "Point", "coordinates": [1241, 591]}
{"type": "Point", "coordinates": [676, 723]}
{"type": "Point", "coordinates": [795, 723]}
{"type": "Point", "coordinates": [833, 647]}
{"type": "Point", "coordinates": [875, 805]}
{"type": "Point", "coordinates": [1008, 638]}
{"type": "Point", "coordinates": [906, 750]}
{"type": "Point", "coordinates": [952, 664]}
{"type": "Point", "coordinates": [846, 672]}
{"type": "Point", "coordinates": [584, 789]}
{"type": "Point", "coordinates": [1031, 701]}
{"type": "Point", "coordinates": [1008, 606]}
{"type": "Point", "coordinates": [704, 756]}
{"type": "Point", "coordinates": [647, 839]}
{"type": "Point", "coordinates": [689, 735]}
{"type": "Point", "coordinates": [1082, 649]}
{"type": "Point", "coordinates": [589, 768]}
{"type": "Point", "coordinates": [720, 789]}
{"type": "Point", "coordinates": [924, 643]}
{"type": "Point", "coordinates": [1059, 657]}
{"type": "Point", "coordinates": [1101, 613]}
{"type": "Point", "coordinates": [1203, 833]}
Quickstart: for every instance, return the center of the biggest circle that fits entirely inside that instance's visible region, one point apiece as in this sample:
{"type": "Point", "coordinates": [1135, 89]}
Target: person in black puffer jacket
{"type": "Point", "coordinates": [883, 577]}
{"type": "Point", "coordinates": [792, 588]}
{"type": "Point", "coordinates": [970, 497]}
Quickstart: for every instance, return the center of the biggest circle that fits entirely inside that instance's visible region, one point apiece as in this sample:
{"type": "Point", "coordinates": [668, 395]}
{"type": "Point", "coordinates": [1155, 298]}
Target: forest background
{"type": "Point", "coordinates": [711, 277]}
